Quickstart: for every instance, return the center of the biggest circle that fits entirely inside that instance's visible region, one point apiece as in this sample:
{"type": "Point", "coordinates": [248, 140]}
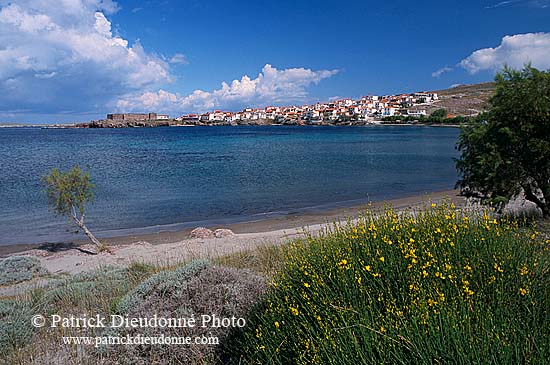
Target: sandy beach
{"type": "Point", "coordinates": [168, 248]}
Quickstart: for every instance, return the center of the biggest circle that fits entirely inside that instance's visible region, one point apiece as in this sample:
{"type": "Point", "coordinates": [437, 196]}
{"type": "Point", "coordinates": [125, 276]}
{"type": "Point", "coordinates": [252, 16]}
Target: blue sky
{"type": "Point", "coordinates": [75, 60]}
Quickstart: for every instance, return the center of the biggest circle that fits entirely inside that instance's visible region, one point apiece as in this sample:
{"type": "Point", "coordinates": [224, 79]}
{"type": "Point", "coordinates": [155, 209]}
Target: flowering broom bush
{"type": "Point", "coordinates": [438, 285]}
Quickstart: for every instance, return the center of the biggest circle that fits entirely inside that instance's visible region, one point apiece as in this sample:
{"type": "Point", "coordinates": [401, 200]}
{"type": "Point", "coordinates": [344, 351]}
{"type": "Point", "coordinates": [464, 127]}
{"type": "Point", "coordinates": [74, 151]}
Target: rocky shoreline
{"type": "Point", "coordinates": [125, 124]}
{"type": "Point", "coordinates": [106, 123]}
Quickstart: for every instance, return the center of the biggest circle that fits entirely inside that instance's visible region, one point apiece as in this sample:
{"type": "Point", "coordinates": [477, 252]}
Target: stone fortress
{"type": "Point", "coordinates": [137, 116]}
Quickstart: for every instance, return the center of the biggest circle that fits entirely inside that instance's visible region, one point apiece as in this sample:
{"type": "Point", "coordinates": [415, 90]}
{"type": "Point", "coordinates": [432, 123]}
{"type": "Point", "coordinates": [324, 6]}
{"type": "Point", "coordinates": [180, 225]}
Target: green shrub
{"type": "Point", "coordinates": [431, 286]}
{"type": "Point", "coordinates": [15, 325]}
{"type": "Point", "coordinates": [191, 291]}
{"type": "Point", "coordinates": [16, 269]}
{"type": "Point", "coordinates": [106, 284]}
{"type": "Point", "coordinates": [163, 281]}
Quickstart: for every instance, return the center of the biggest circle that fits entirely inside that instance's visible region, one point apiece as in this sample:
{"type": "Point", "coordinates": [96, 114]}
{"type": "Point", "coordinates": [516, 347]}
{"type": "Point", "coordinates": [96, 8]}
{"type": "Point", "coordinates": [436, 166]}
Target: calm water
{"type": "Point", "coordinates": [183, 177]}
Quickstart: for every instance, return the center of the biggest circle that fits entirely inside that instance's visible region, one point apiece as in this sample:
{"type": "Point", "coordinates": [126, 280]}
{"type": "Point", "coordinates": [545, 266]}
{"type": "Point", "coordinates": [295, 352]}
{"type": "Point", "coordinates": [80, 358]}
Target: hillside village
{"type": "Point", "coordinates": [367, 109]}
{"type": "Point", "coordinates": [461, 100]}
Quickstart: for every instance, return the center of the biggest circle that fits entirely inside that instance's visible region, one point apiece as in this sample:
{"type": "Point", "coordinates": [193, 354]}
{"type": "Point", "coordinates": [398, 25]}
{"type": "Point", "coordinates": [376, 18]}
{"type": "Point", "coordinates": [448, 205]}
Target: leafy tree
{"type": "Point", "coordinates": [68, 192]}
{"type": "Point", "coordinates": [439, 114]}
{"type": "Point", "coordinates": [506, 151]}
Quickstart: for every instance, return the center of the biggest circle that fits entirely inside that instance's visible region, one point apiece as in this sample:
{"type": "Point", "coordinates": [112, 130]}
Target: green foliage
{"type": "Point", "coordinates": [68, 191]}
{"type": "Point", "coordinates": [458, 120]}
{"type": "Point", "coordinates": [15, 325]}
{"type": "Point", "coordinates": [425, 287]}
{"type": "Point", "coordinates": [188, 293]}
{"type": "Point", "coordinates": [16, 269]}
{"type": "Point", "coordinates": [91, 293]}
{"type": "Point", "coordinates": [439, 114]}
{"type": "Point", "coordinates": [507, 150]}
{"type": "Point", "coordinates": [161, 281]}
{"type": "Point", "coordinates": [75, 290]}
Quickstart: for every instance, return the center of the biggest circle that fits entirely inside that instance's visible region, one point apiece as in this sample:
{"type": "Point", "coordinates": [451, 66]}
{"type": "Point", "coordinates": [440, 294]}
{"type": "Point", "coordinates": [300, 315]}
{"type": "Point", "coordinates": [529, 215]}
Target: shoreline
{"type": "Point", "coordinates": [366, 124]}
{"type": "Point", "coordinates": [260, 227]}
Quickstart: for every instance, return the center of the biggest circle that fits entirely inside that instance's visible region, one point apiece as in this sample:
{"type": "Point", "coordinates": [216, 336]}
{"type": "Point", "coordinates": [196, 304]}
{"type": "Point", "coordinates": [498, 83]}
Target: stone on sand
{"type": "Point", "coordinates": [202, 232]}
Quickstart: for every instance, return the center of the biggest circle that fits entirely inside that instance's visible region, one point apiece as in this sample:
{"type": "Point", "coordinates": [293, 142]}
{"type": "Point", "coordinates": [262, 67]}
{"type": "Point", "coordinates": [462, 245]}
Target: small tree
{"type": "Point", "coordinates": [506, 151]}
{"type": "Point", "coordinates": [439, 114]}
{"type": "Point", "coordinates": [68, 192]}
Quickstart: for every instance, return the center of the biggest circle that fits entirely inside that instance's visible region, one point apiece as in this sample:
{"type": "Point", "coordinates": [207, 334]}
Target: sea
{"type": "Point", "coordinates": [171, 178]}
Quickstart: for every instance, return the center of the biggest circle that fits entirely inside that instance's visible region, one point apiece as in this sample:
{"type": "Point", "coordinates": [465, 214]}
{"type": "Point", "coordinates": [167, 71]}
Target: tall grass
{"type": "Point", "coordinates": [437, 285]}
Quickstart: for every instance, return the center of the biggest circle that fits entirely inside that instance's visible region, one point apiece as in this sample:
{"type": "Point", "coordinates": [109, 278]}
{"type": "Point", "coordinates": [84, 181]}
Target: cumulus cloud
{"type": "Point", "coordinates": [441, 71]}
{"type": "Point", "coordinates": [271, 86]}
{"type": "Point", "coordinates": [63, 55]}
{"type": "Point", "coordinates": [514, 51]}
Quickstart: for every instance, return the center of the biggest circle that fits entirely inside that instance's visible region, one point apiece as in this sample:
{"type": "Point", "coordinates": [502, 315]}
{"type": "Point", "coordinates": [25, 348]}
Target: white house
{"type": "Point", "coordinates": [416, 113]}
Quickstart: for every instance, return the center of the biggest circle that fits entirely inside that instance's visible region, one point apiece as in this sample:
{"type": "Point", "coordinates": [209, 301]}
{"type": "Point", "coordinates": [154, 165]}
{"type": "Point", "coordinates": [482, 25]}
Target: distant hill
{"type": "Point", "coordinates": [464, 99]}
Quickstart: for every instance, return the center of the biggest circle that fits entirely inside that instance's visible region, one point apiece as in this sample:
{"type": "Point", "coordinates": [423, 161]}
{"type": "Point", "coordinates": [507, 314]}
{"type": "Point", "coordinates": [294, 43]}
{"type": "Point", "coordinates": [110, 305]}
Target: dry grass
{"type": "Point", "coordinates": [264, 260]}
{"type": "Point", "coordinates": [465, 100]}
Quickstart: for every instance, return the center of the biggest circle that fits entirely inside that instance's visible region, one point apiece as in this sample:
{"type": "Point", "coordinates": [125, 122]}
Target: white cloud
{"type": "Point", "coordinates": [45, 75]}
{"type": "Point", "coordinates": [63, 55]}
{"type": "Point", "coordinates": [540, 4]}
{"type": "Point", "coordinates": [543, 4]}
{"type": "Point", "coordinates": [178, 58]}
{"type": "Point", "coordinates": [271, 86]}
{"type": "Point", "coordinates": [514, 51]}
{"type": "Point", "coordinates": [441, 71]}
{"type": "Point", "coordinates": [501, 4]}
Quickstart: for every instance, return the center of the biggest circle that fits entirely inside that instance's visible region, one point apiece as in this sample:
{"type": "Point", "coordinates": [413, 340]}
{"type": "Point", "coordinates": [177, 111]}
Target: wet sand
{"type": "Point", "coordinates": [286, 222]}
